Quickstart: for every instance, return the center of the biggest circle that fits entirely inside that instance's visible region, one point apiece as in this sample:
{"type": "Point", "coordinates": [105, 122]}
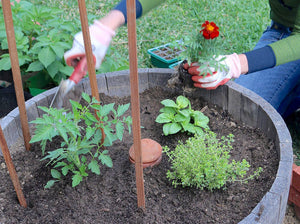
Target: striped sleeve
{"type": "Point", "coordinates": [142, 7]}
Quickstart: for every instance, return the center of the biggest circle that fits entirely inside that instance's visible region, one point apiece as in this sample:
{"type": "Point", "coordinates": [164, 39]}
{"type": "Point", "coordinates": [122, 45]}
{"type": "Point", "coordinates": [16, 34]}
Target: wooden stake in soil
{"type": "Point", "coordinates": [89, 54]}
{"type": "Point", "coordinates": [11, 169]}
{"type": "Point", "coordinates": [13, 54]}
{"type": "Point", "coordinates": [135, 102]}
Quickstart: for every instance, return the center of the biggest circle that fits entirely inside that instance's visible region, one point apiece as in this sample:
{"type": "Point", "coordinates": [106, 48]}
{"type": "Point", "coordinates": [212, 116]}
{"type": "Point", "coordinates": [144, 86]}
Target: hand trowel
{"type": "Point", "coordinates": [66, 89]}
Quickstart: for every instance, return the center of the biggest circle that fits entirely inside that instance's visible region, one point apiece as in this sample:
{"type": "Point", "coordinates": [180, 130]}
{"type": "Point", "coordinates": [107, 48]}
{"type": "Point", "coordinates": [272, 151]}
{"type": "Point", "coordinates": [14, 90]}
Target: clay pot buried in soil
{"type": "Point", "coordinates": [151, 153]}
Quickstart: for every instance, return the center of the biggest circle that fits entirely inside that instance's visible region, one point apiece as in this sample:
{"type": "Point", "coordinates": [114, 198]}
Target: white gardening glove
{"type": "Point", "coordinates": [100, 36]}
{"type": "Point", "coordinates": [217, 78]}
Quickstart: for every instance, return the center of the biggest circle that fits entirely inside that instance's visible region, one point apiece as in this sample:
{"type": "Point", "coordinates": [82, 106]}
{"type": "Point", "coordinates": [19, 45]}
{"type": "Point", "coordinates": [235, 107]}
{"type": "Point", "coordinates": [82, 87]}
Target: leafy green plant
{"type": "Point", "coordinates": [81, 149]}
{"type": "Point", "coordinates": [203, 161]}
{"type": "Point", "coordinates": [179, 116]}
{"type": "Point", "coordinates": [42, 37]}
{"type": "Point", "coordinates": [43, 34]}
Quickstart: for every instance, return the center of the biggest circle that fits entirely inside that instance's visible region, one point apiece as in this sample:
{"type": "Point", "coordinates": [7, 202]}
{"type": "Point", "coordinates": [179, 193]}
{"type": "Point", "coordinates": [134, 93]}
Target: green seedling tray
{"type": "Point", "coordinates": [172, 66]}
{"type": "Point", "coordinates": [159, 61]}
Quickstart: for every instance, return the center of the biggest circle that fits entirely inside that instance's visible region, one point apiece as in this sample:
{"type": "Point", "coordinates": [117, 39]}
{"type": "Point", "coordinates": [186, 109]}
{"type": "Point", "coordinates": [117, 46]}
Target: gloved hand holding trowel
{"type": "Point", "coordinates": [100, 36]}
{"type": "Point", "coordinates": [101, 33]}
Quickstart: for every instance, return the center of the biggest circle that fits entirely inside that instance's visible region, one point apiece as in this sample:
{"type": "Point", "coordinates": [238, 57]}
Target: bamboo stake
{"type": "Point", "coordinates": [13, 53]}
{"type": "Point", "coordinates": [135, 102]}
{"type": "Point", "coordinates": [88, 49]}
{"type": "Point", "coordinates": [11, 169]}
{"type": "Point", "coordinates": [89, 54]}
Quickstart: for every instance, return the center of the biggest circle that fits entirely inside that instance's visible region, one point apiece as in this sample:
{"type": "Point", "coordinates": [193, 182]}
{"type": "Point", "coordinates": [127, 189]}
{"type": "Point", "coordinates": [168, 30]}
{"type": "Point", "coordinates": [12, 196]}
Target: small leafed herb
{"type": "Point", "coordinates": [179, 116]}
{"type": "Point", "coordinates": [203, 161]}
{"type": "Point", "coordinates": [81, 149]}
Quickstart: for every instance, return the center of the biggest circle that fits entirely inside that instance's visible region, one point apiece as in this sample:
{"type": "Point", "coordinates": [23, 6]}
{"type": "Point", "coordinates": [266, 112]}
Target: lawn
{"type": "Point", "coordinates": [241, 24]}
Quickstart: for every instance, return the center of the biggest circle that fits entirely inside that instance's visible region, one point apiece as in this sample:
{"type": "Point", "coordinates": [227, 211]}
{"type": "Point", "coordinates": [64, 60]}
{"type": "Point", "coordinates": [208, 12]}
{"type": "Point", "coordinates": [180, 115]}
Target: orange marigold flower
{"type": "Point", "coordinates": [210, 30]}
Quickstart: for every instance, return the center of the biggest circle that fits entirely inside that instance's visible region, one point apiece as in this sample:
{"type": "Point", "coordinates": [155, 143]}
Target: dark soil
{"type": "Point", "coordinates": [111, 197]}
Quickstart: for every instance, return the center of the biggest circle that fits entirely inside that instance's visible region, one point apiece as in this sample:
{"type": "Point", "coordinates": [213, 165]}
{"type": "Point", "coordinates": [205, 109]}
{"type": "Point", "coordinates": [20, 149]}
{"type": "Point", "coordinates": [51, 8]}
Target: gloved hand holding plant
{"type": "Point", "coordinates": [208, 68]}
{"type": "Point", "coordinates": [215, 77]}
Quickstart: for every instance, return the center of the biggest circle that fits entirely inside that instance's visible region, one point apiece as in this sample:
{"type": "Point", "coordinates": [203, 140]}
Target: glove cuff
{"type": "Point", "coordinates": [100, 36]}
{"type": "Point", "coordinates": [234, 64]}
{"type": "Point", "coordinates": [101, 33]}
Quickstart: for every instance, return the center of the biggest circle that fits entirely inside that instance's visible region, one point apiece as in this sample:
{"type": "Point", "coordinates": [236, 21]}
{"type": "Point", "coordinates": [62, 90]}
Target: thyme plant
{"type": "Point", "coordinates": [203, 161]}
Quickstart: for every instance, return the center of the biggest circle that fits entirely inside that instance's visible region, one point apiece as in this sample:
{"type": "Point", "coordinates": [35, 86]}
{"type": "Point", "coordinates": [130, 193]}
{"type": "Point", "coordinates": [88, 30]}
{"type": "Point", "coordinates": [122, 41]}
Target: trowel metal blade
{"type": "Point", "coordinates": [58, 98]}
{"type": "Point", "coordinates": [62, 97]}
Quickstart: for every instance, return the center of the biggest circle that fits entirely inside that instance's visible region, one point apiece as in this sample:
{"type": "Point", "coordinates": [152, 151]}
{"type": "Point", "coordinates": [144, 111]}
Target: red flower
{"type": "Point", "coordinates": [210, 30]}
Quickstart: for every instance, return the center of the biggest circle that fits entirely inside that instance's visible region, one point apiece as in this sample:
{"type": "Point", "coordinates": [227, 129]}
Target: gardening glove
{"type": "Point", "coordinates": [217, 78]}
{"type": "Point", "coordinates": [100, 36]}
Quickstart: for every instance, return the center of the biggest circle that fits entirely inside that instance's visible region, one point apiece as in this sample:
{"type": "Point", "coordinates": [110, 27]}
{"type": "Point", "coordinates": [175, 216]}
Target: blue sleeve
{"type": "Point", "coordinates": [122, 8]}
{"type": "Point", "coordinates": [260, 59]}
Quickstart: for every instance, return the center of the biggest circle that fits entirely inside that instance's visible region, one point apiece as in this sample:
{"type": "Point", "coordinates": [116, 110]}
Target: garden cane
{"type": "Point", "coordinates": [134, 89]}
{"type": "Point", "coordinates": [13, 54]}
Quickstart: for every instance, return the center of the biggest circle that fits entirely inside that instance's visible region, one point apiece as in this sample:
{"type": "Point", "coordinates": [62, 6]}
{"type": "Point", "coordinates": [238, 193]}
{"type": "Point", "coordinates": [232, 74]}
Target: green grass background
{"type": "Point", "coordinates": [241, 23]}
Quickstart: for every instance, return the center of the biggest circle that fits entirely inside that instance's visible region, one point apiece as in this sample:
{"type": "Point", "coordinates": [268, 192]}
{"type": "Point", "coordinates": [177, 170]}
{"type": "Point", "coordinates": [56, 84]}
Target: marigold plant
{"type": "Point", "coordinates": [203, 47]}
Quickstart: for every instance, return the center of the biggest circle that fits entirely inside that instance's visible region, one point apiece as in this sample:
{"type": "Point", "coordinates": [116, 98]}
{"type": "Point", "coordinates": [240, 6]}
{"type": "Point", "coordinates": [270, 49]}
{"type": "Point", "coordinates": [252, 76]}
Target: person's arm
{"type": "Point", "coordinates": [287, 50]}
{"type": "Point", "coordinates": [103, 30]}
{"type": "Point", "coordinates": [286, 13]}
{"type": "Point", "coordinates": [142, 7]}
{"type": "Point", "coordinates": [101, 33]}
{"type": "Point", "coordinates": [282, 51]}
{"type": "Point", "coordinates": [114, 19]}
{"type": "Point", "coordinates": [277, 53]}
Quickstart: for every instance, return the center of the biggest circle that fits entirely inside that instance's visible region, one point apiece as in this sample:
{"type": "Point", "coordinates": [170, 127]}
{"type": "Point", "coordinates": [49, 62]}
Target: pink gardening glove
{"type": "Point", "coordinates": [218, 77]}
{"type": "Point", "coordinates": [100, 36]}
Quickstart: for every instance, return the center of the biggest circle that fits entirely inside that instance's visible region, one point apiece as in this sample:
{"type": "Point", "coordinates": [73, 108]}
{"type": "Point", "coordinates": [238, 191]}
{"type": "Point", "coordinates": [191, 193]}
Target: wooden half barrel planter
{"type": "Point", "coordinates": [242, 104]}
